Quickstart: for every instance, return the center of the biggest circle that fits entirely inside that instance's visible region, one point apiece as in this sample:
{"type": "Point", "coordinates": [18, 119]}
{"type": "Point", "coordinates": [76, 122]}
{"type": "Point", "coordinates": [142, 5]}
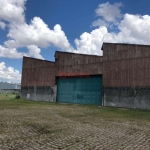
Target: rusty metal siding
{"type": "Point", "coordinates": [131, 63]}
{"type": "Point", "coordinates": [37, 72]}
{"type": "Point", "coordinates": [78, 63]}
{"type": "Point", "coordinates": [125, 51]}
{"type": "Point", "coordinates": [121, 65]}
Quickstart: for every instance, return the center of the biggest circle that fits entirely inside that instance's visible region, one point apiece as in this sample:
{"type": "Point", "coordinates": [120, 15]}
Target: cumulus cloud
{"type": "Point", "coordinates": [36, 33]}
{"type": "Point", "coordinates": [99, 22]}
{"type": "Point", "coordinates": [90, 43]}
{"type": "Point", "coordinates": [33, 36]}
{"type": "Point", "coordinates": [12, 10]}
{"type": "Point", "coordinates": [9, 73]}
{"type": "Point", "coordinates": [35, 51]}
{"type": "Point", "coordinates": [11, 52]}
{"type": "Point", "coordinates": [2, 25]}
{"type": "Point", "coordinates": [132, 29]}
{"type": "Point", "coordinates": [109, 12]}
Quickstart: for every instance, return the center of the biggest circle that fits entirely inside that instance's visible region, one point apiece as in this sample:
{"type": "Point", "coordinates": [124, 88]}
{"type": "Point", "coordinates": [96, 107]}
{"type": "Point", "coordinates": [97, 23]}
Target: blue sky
{"type": "Point", "coordinates": [38, 28]}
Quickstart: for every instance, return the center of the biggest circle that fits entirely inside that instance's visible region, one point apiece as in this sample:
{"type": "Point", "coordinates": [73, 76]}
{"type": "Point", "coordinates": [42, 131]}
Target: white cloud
{"type": "Point", "coordinates": [99, 22]}
{"type": "Point", "coordinates": [133, 29]}
{"type": "Point", "coordinates": [109, 12]}
{"type": "Point", "coordinates": [9, 73]}
{"type": "Point", "coordinates": [10, 52]}
{"type": "Point", "coordinates": [36, 33]}
{"type": "Point", "coordinates": [2, 25]}
{"type": "Point", "coordinates": [90, 43]}
{"type": "Point", "coordinates": [136, 27]}
{"type": "Point", "coordinates": [12, 10]}
{"type": "Point", "coordinates": [35, 51]}
{"type": "Point", "coordinates": [32, 36]}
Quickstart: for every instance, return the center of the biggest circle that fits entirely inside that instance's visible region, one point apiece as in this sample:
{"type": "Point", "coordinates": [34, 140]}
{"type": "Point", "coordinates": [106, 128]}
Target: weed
{"type": "Point", "coordinates": [17, 96]}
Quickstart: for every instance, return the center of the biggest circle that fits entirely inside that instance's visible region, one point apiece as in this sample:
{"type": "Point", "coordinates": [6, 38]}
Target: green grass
{"type": "Point", "coordinates": [9, 102]}
{"type": "Point", "coordinates": [23, 120]}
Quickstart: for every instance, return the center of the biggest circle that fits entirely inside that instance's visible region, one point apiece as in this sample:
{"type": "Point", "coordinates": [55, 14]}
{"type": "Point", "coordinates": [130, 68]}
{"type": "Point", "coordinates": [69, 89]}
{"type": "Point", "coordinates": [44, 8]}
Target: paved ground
{"type": "Point", "coordinates": [43, 126]}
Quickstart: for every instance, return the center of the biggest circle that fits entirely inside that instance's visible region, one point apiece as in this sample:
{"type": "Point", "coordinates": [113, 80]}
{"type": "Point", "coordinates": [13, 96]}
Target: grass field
{"type": "Point", "coordinates": [27, 125]}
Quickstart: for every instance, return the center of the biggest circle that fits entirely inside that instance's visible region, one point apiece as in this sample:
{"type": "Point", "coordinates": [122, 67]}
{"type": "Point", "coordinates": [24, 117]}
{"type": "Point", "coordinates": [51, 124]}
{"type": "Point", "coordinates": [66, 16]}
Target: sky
{"type": "Point", "coordinates": [38, 28]}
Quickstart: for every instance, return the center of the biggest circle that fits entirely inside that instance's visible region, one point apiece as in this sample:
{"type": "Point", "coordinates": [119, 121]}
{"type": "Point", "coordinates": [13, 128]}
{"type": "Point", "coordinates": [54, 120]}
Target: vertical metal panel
{"type": "Point", "coordinates": [130, 52]}
{"type": "Point", "coordinates": [124, 54]}
{"type": "Point", "coordinates": [119, 55]}
{"type": "Point", "coordinates": [101, 58]}
{"type": "Point", "coordinates": [132, 64]}
{"type": "Point", "coordinates": [124, 64]}
{"type": "Point", "coordinates": [125, 78]}
{"type": "Point", "coordinates": [118, 78]}
{"type": "Point", "coordinates": [143, 63]}
{"type": "Point", "coordinates": [118, 65]}
{"type": "Point", "coordinates": [106, 79]}
{"type": "Point", "coordinates": [147, 62]}
{"type": "Point", "coordinates": [139, 63]}
{"type": "Point", "coordinates": [138, 52]}
{"type": "Point", "coordinates": [146, 51]}
{"type": "Point", "coordinates": [97, 59]}
{"type": "Point", "coordinates": [112, 65]}
{"type": "Point", "coordinates": [106, 66]}
{"type": "Point", "coordinates": [139, 77]}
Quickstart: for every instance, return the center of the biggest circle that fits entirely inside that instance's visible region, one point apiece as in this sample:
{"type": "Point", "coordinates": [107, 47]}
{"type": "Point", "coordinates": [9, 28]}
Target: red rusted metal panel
{"type": "Point", "coordinates": [100, 58]}
{"type": "Point", "coordinates": [97, 59]}
{"type": "Point", "coordinates": [132, 64]}
{"type": "Point", "coordinates": [147, 51]}
{"type": "Point", "coordinates": [147, 62]}
{"type": "Point", "coordinates": [106, 66]}
{"type": "Point", "coordinates": [124, 64]}
{"type": "Point", "coordinates": [147, 74]}
{"type": "Point", "coordinates": [143, 74]}
{"type": "Point", "coordinates": [140, 63]}
{"type": "Point", "coordinates": [143, 63]}
{"type": "Point", "coordinates": [130, 52]}
{"type": "Point", "coordinates": [125, 78]}
{"type": "Point", "coordinates": [112, 65]}
{"type": "Point", "coordinates": [118, 65]}
{"type": "Point", "coordinates": [105, 58]}
{"type": "Point", "coordinates": [117, 78]}
{"type": "Point", "coordinates": [138, 52]}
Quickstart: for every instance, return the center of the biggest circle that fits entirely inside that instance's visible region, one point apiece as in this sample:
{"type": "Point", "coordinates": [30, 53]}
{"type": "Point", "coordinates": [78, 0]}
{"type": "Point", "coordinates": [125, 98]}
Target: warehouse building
{"type": "Point", "coordinates": [9, 87]}
{"type": "Point", "coordinates": [119, 78]}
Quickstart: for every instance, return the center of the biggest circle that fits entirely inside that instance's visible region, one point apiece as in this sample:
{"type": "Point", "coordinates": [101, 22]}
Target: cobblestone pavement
{"type": "Point", "coordinates": [70, 127]}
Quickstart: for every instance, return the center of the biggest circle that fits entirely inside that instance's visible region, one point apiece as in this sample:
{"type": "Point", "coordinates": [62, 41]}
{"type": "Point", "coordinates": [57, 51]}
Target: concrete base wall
{"type": "Point", "coordinates": [129, 97]}
{"type": "Point", "coordinates": [39, 93]}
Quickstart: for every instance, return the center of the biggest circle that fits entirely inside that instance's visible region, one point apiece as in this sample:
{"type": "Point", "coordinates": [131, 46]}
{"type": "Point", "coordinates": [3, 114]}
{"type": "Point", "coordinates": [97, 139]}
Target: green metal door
{"type": "Point", "coordinates": [84, 90]}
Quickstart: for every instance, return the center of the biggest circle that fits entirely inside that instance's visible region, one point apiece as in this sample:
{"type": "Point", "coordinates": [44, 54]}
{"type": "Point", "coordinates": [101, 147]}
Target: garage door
{"type": "Point", "coordinates": [87, 90]}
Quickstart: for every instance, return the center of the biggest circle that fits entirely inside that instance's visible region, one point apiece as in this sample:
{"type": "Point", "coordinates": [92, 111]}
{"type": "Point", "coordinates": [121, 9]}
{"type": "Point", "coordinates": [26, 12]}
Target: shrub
{"type": "Point", "coordinates": [17, 96]}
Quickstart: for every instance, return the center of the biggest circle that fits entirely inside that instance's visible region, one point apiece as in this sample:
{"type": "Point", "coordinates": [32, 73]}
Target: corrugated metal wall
{"type": "Point", "coordinates": [78, 63]}
{"type": "Point", "coordinates": [37, 72]}
{"type": "Point", "coordinates": [121, 65]}
{"type": "Point", "coordinates": [126, 65]}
